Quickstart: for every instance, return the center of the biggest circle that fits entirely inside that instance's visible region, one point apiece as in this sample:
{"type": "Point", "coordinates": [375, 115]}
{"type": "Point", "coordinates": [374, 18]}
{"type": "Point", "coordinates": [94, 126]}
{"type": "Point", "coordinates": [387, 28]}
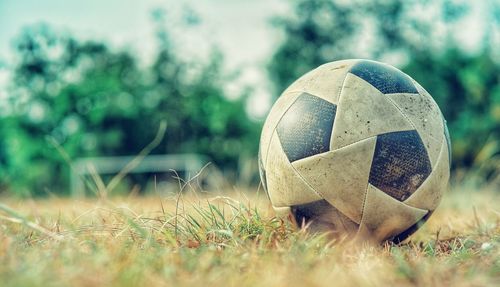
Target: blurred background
{"type": "Point", "coordinates": [83, 80]}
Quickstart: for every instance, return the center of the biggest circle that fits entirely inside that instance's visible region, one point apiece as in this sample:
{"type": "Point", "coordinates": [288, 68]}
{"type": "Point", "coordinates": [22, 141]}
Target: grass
{"type": "Point", "coordinates": [233, 240]}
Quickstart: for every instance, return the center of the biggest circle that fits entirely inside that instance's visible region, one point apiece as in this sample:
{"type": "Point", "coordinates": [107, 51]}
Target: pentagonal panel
{"type": "Point", "coordinates": [424, 114]}
{"type": "Point", "coordinates": [341, 176]}
{"type": "Point", "coordinates": [321, 216]}
{"type": "Point", "coordinates": [385, 78]}
{"type": "Point", "coordinates": [285, 186]}
{"type": "Point", "coordinates": [279, 108]}
{"type": "Point", "coordinates": [400, 164]}
{"type": "Point", "coordinates": [431, 191]}
{"type": "Point", "coordinates": [328, 79]}
{"type": "Point", "coordinates": [305, 129]}
{"type": "Point", "coordinates": [385, 217]}
{"type": "Point", "coordinates": [364, 112]}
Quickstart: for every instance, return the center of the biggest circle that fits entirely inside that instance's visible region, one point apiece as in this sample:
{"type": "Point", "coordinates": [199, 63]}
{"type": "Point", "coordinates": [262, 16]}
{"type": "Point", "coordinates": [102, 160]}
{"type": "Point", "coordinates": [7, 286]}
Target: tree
{"type": "Point", "coordinates": [94, 101]}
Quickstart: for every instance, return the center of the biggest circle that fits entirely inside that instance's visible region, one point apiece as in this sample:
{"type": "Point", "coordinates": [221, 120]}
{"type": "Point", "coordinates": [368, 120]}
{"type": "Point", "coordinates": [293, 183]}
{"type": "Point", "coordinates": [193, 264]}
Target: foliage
{"type": "Point", "coordinates": [195, 240]}
{"type": "Point", "coordinates": [464, 83]}
{"type": "Point", "coordinates": [94, 101]}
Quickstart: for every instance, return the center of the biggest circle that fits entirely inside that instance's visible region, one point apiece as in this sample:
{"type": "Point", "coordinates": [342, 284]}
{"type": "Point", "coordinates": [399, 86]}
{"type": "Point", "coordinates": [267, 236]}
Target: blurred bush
{"type": "Point", "coordinates": [421, 38]}
{"type": "Point", "coordinates": [95, 101]}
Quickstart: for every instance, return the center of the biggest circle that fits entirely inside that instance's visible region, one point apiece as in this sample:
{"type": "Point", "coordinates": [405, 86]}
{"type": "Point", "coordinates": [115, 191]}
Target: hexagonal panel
{"type": "Point", "coordinates": [341, 176]}
{"type": "Point", "coordinates": [385, 217]}
{"type": "Point", "coordinates": [286, 187]}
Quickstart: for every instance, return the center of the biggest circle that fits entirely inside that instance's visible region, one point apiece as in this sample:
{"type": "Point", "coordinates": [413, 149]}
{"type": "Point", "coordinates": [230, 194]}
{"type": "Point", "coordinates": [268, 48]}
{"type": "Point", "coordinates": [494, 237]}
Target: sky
{"type": "Point", "coordinates": [240, 28]}
{"type": "Point", "coordinates": [235, 25]}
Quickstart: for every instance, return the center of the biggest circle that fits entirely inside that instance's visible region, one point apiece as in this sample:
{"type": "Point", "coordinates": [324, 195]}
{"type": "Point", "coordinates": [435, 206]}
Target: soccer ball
{"type": "Point", "coordinates": [356, 148]}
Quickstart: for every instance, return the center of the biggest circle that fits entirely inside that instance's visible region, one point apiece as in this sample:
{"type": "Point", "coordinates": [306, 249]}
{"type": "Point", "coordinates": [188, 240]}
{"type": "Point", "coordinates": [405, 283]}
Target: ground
{"type": "Point", "coordinates": [232, 240]}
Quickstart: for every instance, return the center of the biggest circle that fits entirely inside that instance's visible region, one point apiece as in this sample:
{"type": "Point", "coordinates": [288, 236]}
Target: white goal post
{"type": "Point", "coordinates": [190, 164]}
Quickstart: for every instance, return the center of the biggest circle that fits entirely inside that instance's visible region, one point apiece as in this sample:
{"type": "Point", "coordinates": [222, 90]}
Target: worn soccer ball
{"type": "Point", "coordinates": [356, 148]}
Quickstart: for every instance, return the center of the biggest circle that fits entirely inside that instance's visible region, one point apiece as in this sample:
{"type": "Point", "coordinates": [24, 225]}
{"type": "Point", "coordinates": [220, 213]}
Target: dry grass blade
{"type": "Point", "coordinates": [17, 218]}
{"type": "Point", "coordinates": [137, 160]}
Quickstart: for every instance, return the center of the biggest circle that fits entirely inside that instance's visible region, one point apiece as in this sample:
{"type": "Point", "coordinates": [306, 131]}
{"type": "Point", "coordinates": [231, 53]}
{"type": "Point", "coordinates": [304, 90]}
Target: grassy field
{"type": "Point", "coordinates": [233, 240]}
